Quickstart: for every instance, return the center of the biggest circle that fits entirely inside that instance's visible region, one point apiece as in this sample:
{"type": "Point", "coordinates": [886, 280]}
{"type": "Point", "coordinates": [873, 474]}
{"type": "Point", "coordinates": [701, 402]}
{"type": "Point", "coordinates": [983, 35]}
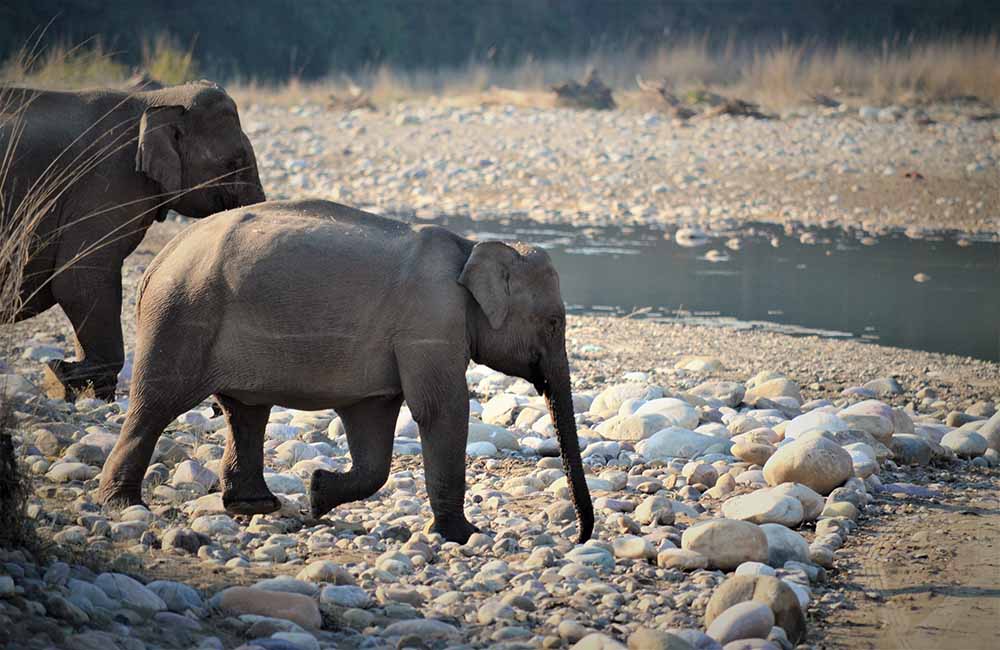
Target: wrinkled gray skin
{"type": "Point", "coordinates": [314, 305]}
{"type": "Point", "coordinates": [112, 163]}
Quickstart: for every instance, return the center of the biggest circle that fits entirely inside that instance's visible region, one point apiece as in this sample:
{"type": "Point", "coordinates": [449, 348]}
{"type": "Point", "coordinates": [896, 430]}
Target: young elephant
{"type": "Point", "coordinates": [88, 173]}
{"type": "Point", "coordinates": [315, 305]}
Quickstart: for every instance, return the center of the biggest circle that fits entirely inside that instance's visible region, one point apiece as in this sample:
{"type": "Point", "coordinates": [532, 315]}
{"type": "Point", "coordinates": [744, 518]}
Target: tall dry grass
{"type": "Point", "coordinates": [167, 61]}
{"type": "Point", "coordinates": [91, 64]}
{"type": "Point", "coordinates": [897, 72]}
{"type": "Point", "coordinates": [777, 76]}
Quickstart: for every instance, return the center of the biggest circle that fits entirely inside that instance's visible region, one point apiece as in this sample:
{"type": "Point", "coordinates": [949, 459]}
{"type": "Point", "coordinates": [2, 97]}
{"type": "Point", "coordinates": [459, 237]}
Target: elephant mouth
{"type": "Point", "coordinates": [539, 381]}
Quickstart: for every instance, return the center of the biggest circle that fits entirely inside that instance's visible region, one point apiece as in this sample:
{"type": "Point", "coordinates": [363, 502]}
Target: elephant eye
{"type": "Point", "coordinates": [555, 322]}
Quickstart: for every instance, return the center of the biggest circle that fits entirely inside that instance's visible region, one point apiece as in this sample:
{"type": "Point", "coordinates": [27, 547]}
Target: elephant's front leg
{"type": "Point", "coordinates": [370, 427]}
{"type": "Point", "coordinates": [439, 400]}
{"type": "Point", "coordinates": [92, 300]}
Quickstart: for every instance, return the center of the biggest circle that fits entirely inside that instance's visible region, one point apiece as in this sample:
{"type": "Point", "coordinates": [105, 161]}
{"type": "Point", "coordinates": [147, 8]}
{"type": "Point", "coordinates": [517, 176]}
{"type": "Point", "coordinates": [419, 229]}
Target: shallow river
{"type": "Point", "coordinates": [834, 283]}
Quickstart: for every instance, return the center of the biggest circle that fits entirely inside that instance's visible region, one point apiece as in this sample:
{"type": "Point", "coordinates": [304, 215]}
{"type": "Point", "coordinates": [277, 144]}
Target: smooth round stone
{"type": "Point", "coordinates": [287, 585]}
{"type": "Point", "coordinates": [775, 594]}
{"type": "Point", "coordinates": [591, 556]}
{"type": "Point", "coordinates": [822, 555]}
{"type": "Point", "coordinates": [326, 571]}
{"type": "Point", "coordinates": [812, 502]}
{"type": "Point", "coordinates": [655, 509]}
{"type": "Point", "coordinates": [130, 592]}
{"type": "Point", "coordinates": [631, 547]}
{"type": "Point", "coordinates": [423, 628]}
{"type": "Point", "coordinates": [729, 393]}
{"type": "Point", "coordinates": [677, 558]}
{"type": "Point", "coordinates": [783, 545]}
{"type": "Point", "coordinates": [597, 641]}
{"type": "Point", "coordinates": [773, 389]}
{"type": "Point", "coordinates": [63, 472]}
{"type": "Point", "coordinates": [609, 400]}
{"type": "Point", "coordinates": [755, 453]}
{"type": "Point", "coordinates": [871, 416]}
{"type": "Point", "coordinates": [765, 507]}
{"type": "Point", "coordinates": [675, 442]}
{"type": "Point", "coordinates": [754, 569]}
{"type": "Point", "coordinates": [178, 597]}
{"type": "Point", "coordinates": [817, 420]}
{"type": "Point", "coordinates": [966, 444]}
{"type": "Point", "coordinates": [699, 472]}
{"type": "Point", "coordinates": [481, 450]}
{"type": "Point", "coordinates": [910, 449]}
{"type": "Point", "coordinates": [726, 543]}
{"type": "Point", "coordinates": [674, 411]}
{"type": "Point", "coordinates": [215, 525]}
{"type": "Point", "coordinates": [746, 620]}
{"type": "Point", "coordinates": [632, 428]}
{"type": "Point", "coordinates": [297, 608]}
{"type": "Point", "coordinates": [840, 509]}
{"type": "Point", "coordinates": [345, 596]}
{"type": "Point", "coordinates": [814, 461]}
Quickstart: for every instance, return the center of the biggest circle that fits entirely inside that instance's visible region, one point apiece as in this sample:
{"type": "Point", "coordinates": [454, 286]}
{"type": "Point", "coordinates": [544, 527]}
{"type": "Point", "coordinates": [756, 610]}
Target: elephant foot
{"type": "Point", "coordinates": [251, 505]}
{"type": "Point", "coordinates": [322, 488]}
{"type": "Point", "coordinates": [117, 500]}
{"type": "Point", "coordinates": [453, 529]}
{"type": "Point", "coordinates": [69, 381]}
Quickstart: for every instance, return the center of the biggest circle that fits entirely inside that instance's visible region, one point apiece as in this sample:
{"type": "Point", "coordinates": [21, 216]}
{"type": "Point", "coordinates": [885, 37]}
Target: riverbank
{"type": "Point", "coordinates": [918, 170]}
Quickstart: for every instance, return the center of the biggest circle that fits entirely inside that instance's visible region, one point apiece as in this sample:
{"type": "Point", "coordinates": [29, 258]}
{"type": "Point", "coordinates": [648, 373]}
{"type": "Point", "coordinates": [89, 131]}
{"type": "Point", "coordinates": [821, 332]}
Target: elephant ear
{"type": "Point", "coordinates": [158, 156]}
{"type": "Point", "coordinates": [487, 277]}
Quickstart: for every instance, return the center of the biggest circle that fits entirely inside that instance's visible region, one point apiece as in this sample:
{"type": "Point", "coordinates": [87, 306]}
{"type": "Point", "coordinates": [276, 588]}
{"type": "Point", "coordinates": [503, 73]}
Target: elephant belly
{"type": "Point", "coordinates": [308, 370]}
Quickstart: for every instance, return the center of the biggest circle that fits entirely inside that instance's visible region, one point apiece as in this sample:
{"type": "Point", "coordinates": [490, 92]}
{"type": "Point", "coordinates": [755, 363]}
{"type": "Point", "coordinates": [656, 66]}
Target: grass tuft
{"type": "Point", "coordinates": [167, 62]}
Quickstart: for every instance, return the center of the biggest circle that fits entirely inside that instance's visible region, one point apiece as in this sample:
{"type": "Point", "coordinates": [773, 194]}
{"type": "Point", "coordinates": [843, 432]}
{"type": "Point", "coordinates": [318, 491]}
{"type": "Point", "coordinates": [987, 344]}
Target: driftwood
{"type": "Point", "coordinates": [737, 108]}
{"type": "Point", "coordinates": [662, 91]}
{"type": "Point", "coordinates": [592, 93]}
{"type": "Point", "coordinates": [716, 104]}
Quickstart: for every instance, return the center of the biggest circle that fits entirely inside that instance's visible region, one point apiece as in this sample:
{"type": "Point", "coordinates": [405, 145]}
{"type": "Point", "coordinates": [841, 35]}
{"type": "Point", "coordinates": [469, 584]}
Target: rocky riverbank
{"type": "Point", "coordinates": [724, 495]}
{"type": "Point", "coordinates": [921, 170]}
{"type": "Point", "coordinates": [731, 470]}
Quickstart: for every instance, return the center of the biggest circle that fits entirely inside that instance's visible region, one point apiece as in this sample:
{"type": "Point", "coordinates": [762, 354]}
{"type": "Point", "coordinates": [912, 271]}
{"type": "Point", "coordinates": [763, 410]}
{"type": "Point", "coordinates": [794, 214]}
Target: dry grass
{"type": "Point", "coordinates": [776, 77]}
{"type": "Point", "coordinates": [60, 66]}
{"type": "Point", "coordinates": [91, 65]}
{"type": "Point", "coordinates": [897, 73]}
{"type": "Point", "coordinates": [168, 62]}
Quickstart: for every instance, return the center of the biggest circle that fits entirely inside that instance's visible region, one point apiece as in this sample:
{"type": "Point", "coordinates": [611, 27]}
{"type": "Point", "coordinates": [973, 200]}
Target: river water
{"type": "Point", "coordinates": [827, 282]}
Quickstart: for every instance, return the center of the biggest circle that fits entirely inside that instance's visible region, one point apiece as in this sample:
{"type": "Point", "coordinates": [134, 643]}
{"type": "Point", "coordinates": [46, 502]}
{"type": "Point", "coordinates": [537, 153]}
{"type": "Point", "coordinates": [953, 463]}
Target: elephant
{"type": "Point", "coordinates": [87, 173]}
{"type": "Point", "coordinates": [313, 305]}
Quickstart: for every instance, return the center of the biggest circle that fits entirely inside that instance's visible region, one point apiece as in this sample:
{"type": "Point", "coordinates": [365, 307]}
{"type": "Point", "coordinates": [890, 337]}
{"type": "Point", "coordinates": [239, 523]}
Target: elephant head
{"type": "Point", "coordinates": [519, 328]}
{"type": "Point", "coordinates": [192, 146]}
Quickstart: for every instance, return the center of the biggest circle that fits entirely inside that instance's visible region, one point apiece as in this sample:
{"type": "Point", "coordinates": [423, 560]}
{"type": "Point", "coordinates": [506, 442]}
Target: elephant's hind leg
{"type": "Point", "coordinates": [121, 478]}
{"type": "Point", "coordinates": [93, 303]}
{"type": "Point", "coordinates": [244, 491]}
{"type": "Point", "coordinates": [370, 426]}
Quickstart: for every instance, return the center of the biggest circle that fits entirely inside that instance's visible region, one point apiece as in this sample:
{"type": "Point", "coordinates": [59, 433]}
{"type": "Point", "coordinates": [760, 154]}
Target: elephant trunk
{"type": "Point", "coordinates": [250, 190]}
{"type": "Point", "coordinates": [560, 402]}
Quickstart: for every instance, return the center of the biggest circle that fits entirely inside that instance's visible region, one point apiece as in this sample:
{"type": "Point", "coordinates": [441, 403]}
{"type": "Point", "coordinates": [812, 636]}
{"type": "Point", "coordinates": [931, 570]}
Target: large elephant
{"type": "Point", "coordinates": [316, 305]}
{"type": "Point", "coordinates": [86, 174]}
